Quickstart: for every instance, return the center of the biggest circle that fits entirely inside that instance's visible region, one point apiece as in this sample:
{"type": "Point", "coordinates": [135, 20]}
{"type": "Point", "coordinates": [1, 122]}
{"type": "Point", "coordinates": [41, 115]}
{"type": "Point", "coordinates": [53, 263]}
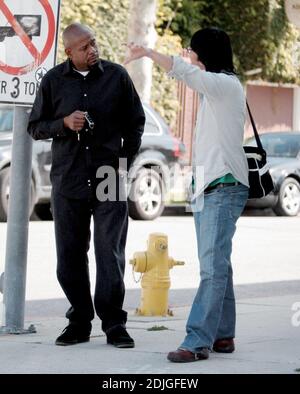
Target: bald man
{"type": "Point", "coordinates": [91, 110]}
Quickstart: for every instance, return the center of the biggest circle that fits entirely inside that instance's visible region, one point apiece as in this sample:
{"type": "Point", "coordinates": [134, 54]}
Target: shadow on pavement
{"type": "Point", "coordinates": [43, 213]}
{"type": "Point", "coordinates": [181, 211]}
{"type": "Point", "coordinates": [177, 297]}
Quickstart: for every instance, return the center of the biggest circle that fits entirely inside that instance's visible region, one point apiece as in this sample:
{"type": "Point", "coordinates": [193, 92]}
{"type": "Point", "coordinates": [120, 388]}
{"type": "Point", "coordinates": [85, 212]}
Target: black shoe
{"type": "Point", "coordinates": [119, 338]}
{"type": "Point", "coordinates": [73, 334]}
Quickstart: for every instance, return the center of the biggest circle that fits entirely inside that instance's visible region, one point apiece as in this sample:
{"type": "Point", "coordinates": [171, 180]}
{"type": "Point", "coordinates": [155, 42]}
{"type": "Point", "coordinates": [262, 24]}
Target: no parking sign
{"type": "Point", "coordinates": [28, 41]}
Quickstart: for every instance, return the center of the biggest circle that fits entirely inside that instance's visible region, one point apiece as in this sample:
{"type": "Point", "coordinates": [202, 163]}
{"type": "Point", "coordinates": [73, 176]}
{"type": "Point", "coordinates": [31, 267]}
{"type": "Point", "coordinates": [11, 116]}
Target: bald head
{"type": "Point", "coordinates": [75, 32]}
{"type": "Point", "coordinates": [80, 46]}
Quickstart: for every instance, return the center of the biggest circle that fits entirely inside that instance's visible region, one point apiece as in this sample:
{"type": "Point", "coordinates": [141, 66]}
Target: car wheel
{"type": "Point", "coordinates": [4, 194]}
{"type": "Point", "coordinates": [43, 211]}
{"type": "Point", "coordinates": [146, 195]}
{"type": "Point", "coordinates": [288, 198]}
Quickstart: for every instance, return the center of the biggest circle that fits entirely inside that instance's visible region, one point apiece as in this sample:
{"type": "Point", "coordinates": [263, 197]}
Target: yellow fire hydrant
{"type": "Point", "coordinates": [155, 265]}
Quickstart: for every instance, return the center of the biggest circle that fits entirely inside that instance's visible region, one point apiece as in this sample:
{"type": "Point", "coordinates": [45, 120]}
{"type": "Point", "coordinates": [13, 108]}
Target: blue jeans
{"type": "Point", "coordinates": [213, 311]}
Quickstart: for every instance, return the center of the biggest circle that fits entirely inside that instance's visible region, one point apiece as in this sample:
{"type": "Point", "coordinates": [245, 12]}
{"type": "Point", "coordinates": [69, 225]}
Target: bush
{"type": "Point", "coordinates": [108, 19]}
{"type": "Point", "coordinates": [260, 34]}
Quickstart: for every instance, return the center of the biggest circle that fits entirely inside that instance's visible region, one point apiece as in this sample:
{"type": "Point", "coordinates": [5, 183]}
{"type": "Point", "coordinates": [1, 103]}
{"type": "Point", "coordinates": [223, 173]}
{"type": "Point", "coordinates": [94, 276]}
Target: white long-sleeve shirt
{"type": "Point", "coordinates": [219, 132]}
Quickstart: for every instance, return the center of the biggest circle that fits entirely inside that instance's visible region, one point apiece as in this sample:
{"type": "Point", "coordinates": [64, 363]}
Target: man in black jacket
{"type": "Point", "coordinates": [90, 108]}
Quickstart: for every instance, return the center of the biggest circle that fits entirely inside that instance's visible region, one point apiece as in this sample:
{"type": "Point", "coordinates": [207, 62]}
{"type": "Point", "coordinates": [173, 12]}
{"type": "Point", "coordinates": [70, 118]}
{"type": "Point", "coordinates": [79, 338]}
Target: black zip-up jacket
{"type": "Point", "coordinates": [108, 95]}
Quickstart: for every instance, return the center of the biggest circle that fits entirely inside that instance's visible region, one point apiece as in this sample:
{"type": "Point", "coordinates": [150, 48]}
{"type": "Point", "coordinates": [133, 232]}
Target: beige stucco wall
{"type": "Point", "coordinates": [272, 108]}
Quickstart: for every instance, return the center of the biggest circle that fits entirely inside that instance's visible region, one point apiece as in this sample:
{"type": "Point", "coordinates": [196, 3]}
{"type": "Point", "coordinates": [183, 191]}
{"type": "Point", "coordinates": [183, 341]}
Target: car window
{"type": "Point", "coordinates": [6, 119]}
{"type": "Point", "coordinates": [151, 127]}
{"type": "Point", "coordinates": [279, 145]}
{"type": "Point", "coordinates": [282, 145]}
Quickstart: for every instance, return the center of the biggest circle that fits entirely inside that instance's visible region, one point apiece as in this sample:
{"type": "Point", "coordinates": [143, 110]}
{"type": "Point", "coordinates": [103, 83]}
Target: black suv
{"type": "Point", "coordinates": [150, 191]}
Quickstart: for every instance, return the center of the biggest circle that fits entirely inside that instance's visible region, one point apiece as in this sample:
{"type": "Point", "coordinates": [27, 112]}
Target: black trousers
{"type": "Point", "coordinates": [72, 219]}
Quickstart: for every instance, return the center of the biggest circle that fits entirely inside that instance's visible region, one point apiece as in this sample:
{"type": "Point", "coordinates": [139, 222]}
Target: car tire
{"type": "Point", "coordinates": [288, 198]}
{"type": "Point", "coordinates": [4, 194]}
{"type": "Point", "coordinates": [43, 211]}
{"type": "Point", "coordinates": [146, 200]}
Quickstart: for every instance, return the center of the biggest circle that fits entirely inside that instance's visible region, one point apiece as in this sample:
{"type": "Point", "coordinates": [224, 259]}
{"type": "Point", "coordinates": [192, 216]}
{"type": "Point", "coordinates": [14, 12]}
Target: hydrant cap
{"type": "Point", "coordinates": [155, 236]}
{"type": "Point", "coordinates": [159, 241]}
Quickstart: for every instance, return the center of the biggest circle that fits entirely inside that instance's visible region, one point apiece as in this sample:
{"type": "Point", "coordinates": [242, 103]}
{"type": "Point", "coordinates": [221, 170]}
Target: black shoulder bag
{"type": "Point", "coordinates": [260, 180]}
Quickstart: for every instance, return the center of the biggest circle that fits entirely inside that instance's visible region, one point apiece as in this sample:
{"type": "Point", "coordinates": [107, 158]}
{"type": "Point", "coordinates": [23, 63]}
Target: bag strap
{"type": "Point", "coordinates": [258, 141]}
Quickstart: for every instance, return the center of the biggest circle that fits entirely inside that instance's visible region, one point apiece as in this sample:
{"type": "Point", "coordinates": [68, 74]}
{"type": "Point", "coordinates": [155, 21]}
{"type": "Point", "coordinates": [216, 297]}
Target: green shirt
{"type": "Point", "coordinates": [228, 178]}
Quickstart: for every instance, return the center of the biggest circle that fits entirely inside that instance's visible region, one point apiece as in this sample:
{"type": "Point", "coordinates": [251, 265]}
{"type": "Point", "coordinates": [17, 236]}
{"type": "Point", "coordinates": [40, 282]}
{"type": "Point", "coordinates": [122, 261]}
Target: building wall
{"type": "Point", "coordinates": [272, 108]}
{"type": "Point", "coordinates": [186, 117]}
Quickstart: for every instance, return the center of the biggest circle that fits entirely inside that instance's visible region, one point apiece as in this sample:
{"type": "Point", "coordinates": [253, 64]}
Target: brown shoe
{"type": "Point", "coordinates": [185, 356]}
{"type": "Point", "coordinates": [225, 345]}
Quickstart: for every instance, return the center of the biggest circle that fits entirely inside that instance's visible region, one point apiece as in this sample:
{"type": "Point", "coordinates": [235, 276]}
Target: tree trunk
{"type": "Point", "coordinates": [141, 31]}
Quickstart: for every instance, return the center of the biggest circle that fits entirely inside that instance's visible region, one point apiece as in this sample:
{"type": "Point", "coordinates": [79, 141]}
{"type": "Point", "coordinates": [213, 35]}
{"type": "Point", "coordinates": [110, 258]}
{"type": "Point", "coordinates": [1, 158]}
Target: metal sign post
{"type": "Point", "coordinates": [17, 227]}
{"type": "Point", "coordinates": [28, 36]}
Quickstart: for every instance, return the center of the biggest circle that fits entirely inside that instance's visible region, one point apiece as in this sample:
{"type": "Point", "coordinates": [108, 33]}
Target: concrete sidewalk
{"type": "Point", "coordinates": [267, 343]}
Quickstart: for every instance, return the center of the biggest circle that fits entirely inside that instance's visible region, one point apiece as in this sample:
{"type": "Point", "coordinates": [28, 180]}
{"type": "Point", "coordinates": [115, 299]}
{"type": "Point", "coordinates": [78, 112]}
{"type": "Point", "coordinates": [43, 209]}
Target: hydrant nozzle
{"type": "Point", "coordinates": [139, 262]}
{"type": "Point", "coordinates": [178, 262]}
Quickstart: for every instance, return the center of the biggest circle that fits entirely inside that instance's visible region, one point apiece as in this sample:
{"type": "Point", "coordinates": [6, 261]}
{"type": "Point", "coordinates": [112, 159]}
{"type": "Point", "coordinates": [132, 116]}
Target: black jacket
{"type": "Point", "coordinates": [108, 95]}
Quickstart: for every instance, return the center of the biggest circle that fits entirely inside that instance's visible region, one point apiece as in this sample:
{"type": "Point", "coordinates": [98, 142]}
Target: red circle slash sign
{"type": "Point", "coordinates": [39, 57]}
